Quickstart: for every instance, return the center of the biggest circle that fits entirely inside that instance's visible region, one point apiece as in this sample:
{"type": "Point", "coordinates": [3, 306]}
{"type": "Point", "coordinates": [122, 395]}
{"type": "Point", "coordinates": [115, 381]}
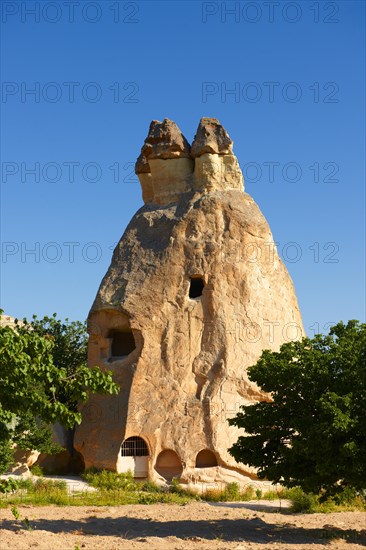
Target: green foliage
{"type": "Point", "coordinates": [347, 500]}
{"type": "Point", "coordinates": [312, 434]}
{"type": "Point", "coordinates": [44, 485]}
{"type": "Point", "coordinates": [153, 498]}
{"type": "Point", "coordinates": [6, 451]}
{"type": "Point", "coordinates": [258, 494]}
{"type": "Point", "coordinates": [9, 485]}
{"type": "Point", "coordinates": [15, 512]}
{"type": "Point", "coordinates": [230, 493]}
{"type": "Point", "coordinates": [40, 492]}
{"type": "Point", "coordinates": [146, 492]}
{"type": "Point", "coordinates": [45, 492]}
{"type": "Point", "coordinates": [176, 488]}
{"type": "Point", "coordinates": [149, 487]}
{"type": "Point", "coordinates": [12, 485]}
{"type": "Point", "coordinates": [25, 521]}
{"type": "Point", "coordinates": [108, 480]}
{"type": "Point", "coordinates": [43, 376]}
{"type": "Point", "coordinates": [69, 350]}
{"type": "Point", "coordinates": [32, 433]}
{"type": "Point", "coordinates": [37, 470]}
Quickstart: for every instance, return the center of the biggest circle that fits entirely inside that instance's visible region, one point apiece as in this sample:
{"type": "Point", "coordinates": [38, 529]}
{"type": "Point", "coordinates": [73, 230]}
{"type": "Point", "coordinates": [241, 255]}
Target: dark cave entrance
{"type": "Point", "coordinates": [123, 342]}
{"type": "Point", "coordinates": [196, 287]}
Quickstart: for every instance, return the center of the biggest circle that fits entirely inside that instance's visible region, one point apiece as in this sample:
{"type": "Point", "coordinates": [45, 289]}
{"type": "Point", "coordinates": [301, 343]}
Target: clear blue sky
{"type": "Point", "coordinates": [103, 70]}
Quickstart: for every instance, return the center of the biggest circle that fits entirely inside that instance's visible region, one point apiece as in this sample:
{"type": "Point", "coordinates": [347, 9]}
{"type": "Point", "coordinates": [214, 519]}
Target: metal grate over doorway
{"type": "Point", "coordinates": [134, 446]}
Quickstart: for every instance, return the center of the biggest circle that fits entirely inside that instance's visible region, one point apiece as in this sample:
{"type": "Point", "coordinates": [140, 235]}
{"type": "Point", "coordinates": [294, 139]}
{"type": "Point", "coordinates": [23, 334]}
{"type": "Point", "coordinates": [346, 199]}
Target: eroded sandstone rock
{"type": "Point", "coordinates": [194, 293]}
{"type": "Point", "coordinates": [164, 141]}
{"type": "Point", "coordinates": [164, 166]}
{"type": "Point", "coordinates": [211, 137]}
{"type": "Point", "coordinates": [23, 461]}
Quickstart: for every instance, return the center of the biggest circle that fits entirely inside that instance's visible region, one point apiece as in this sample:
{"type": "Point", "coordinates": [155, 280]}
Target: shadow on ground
{"type": "Point", "coordinates": [249, 530]}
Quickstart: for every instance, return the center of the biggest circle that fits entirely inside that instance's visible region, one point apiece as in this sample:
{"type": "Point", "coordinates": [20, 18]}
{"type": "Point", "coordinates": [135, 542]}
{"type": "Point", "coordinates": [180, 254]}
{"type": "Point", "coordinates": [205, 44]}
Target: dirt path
{"type": "Point", "coordinates": [170, 526]}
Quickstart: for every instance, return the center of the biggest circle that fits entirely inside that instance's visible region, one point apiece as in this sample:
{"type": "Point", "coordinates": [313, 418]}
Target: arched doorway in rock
{"type": "Point", "coordinates": [134, 456]}
{"type": "Point", "coordinates": [206, 459]}
{"type": "Point", "coordinates": [168, 464]}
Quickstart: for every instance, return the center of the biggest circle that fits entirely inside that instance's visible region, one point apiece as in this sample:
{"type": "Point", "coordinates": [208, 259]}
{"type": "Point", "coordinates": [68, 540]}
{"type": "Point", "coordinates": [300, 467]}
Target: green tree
{"type": "Point", "coordinates": [69, 350]}
{"type": "Point", "coordinates": [312, 431]}
{"type": "Point", "coordinates": [33, 386]}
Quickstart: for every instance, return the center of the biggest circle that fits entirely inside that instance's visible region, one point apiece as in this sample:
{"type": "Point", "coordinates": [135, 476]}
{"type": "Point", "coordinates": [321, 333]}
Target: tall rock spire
{"type": "Point", "coordinates": [194, 293]}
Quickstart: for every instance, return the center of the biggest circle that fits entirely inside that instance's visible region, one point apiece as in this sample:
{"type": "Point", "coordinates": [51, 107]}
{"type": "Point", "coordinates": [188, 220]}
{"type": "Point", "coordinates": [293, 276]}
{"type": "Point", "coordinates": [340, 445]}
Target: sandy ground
{"type": "Point", "coordinates": [168, 526]}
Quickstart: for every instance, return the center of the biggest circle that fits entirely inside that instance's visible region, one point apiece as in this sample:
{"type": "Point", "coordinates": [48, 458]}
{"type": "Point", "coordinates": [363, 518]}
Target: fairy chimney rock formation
{"type": "Point", "coordinates": [194, 293]}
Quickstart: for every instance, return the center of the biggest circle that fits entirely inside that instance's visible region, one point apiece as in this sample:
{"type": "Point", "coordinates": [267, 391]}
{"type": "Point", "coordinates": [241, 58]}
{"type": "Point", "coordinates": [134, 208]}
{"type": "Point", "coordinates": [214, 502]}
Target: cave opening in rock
{"type": "Point", "coordinates": [196, 287]}
{"type": "Point", "coordinates": [123, 342]}
{"type": "Point", "coordinates": [169, 465]}
{"type": "Point", "coordinates": [206, 459]}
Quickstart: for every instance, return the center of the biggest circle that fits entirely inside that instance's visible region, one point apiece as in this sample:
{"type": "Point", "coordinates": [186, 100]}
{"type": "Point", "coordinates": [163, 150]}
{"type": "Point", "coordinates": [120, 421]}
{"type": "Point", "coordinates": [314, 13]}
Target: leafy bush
{"type": "Point", "coordinates": [109, 481]}
{"type": "Point", "coordinates": [9, 485]}
{"type": "Point", "coordinates": [176, 488]}
{"type": "Point", "coordinates": [6, 451]}
{"type": "Point", "coordinates": [36, 470]}
{"type": "Point", "coordinates": [151, 498]}
{"type": "Point", "coordinates": [310, 503]}
{"type": "Point", "coordinates": [149, 487]}
{"type": "Point", "coordinates": [301, 502]}
{"type": "Point", "coordinates": [232, 491]}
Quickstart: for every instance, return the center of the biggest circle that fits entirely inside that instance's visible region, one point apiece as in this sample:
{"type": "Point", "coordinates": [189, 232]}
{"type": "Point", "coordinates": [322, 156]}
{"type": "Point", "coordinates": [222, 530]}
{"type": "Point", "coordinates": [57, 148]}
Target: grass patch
{"type": "Point", "coordinates": [230, 493]}
{"type": "Point", "coordinates": [110, 481]}
{"type": "Point", "coordinates": [233, 493]}
{"type": "Point", "coordinates": [114, 489]}
{"type": "Point", "coordinates": [38, 492]}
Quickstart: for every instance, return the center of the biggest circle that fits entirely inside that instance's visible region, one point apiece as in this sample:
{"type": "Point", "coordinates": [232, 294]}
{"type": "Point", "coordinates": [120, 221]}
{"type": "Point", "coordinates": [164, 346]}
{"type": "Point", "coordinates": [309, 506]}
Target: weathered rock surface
{"type": "Point", "coordinates": [164, 141]}
{"type": "Point", "coordinates": [194, 293]}
{"type": "Point", "coordinates": [167, 167]}
{"type": "Point", "coordinates": [23, 461]}
{"type": "Point", "coordinates": [164, 165]}
{"type": "Point", "coordinates": [211, 137]}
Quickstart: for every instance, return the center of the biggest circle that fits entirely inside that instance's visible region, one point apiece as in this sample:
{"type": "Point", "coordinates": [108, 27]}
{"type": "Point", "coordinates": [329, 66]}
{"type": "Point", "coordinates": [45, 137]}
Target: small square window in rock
{"type": "Point", "coordinates": [196, 287]}
{"type": "Point", "coordinates": [123, 343]}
